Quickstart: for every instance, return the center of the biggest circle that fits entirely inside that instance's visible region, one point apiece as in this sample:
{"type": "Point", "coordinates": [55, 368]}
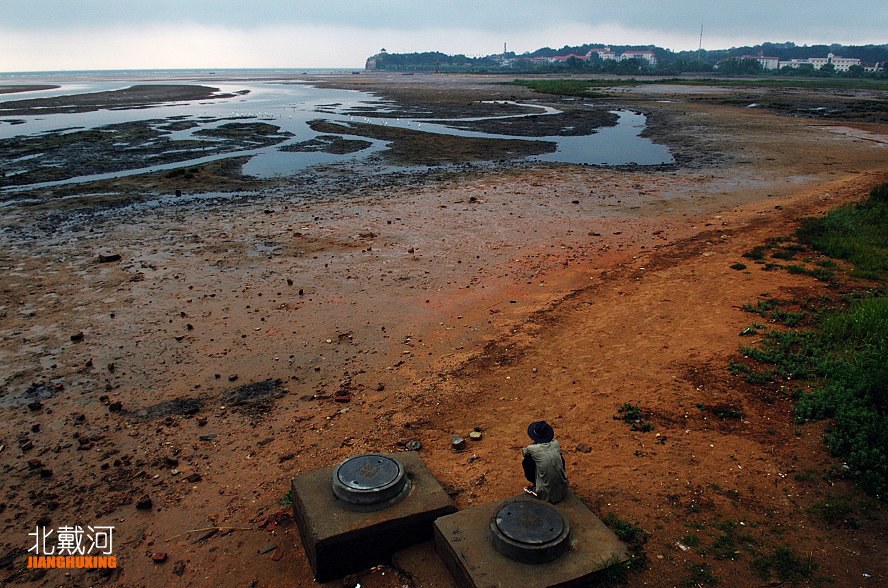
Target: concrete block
{"type": "Point", "coordinates": [340, 539]}
{"type": "Point", "coordinates": [463, 542]}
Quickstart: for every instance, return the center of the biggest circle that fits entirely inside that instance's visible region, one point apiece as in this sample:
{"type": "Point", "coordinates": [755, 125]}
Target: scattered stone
{"type": "Point", "coordinates": [583, 448]}
{"type": "Point", "coordinates": [158, 557]}
{"type": "Point", "coordinates": [45, 473]}
{"type": "Point", "coordinates": [267, 548]}
{"type": "Point", "coordinates": [108, 257]}
{"type": "Point", "coordinates": [144, 503]}
{"type": "Point", "coordinates": [33, 464]}
{"type": "Point", "coordinates": [179, 568]}
{"type": "Point", "coordinates": [207, 437]}
{"type": "Point", "coordinates": [115, 406]}
{"type": "Point", "coordinates": [380, 387]}
{"type": "Point", "coordinates": [195, 477]}
{"type": "Point", "coordinates": [232, 377]}
{"type": "Point", "coordinates": [476, 435]}
{"type": "Point", "coordinates": [26, 445]}
{"type": "Point", "coordinates": [35, 406]}
{"type": "Point", "coordinates": [285, 457]}
{"type": "Point", "coordinates": [201, 421]}
{"type": "Point", "coordinates": [413, 445]}
{"type": "Point", "coordinates": [77, 337]}
{"type": "Point", "coordinates": [457, 443]}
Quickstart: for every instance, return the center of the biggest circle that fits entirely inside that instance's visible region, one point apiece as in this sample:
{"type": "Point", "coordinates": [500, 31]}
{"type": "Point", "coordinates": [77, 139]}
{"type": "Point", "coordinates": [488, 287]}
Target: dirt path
{"type": "Point", "coordinates": [422, 302]}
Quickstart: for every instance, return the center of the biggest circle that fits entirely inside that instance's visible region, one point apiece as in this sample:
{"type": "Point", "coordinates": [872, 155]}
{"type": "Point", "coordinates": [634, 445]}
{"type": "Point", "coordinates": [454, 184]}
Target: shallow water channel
{"type": "Point", "coordinates": [290, 106]}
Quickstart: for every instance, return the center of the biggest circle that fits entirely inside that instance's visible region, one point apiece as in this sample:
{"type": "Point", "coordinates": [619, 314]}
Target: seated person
{"type": "Point", "coordinates": [544, 465]}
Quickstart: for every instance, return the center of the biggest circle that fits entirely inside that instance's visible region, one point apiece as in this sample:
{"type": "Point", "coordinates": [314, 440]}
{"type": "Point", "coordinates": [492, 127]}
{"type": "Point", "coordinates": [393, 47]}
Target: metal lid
{"type": "Point", "coordinates": [370, 479]}
{"type": "Point", "coordinates": [530, 531]}
{"type": "Point", "coordinates": [534, 523]}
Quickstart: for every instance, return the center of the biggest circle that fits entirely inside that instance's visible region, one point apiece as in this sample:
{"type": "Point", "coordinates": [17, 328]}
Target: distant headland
{"type": "Point", "coordinates": [768, 58]}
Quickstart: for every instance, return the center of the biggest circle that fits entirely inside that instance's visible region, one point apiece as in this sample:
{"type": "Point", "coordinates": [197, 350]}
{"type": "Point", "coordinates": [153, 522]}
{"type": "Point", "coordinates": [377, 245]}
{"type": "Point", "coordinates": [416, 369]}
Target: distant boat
{"type": "Point", "coordinates": [356, 73]}
{"type": "Point", "coordinates": [407, 74]}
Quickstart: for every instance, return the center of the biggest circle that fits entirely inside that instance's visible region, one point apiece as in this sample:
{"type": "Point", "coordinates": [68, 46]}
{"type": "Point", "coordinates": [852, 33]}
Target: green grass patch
{"type": "Point", "coordinates": [634, 415]}
{"type": "Point", "coordinates": [561, 87]}
{"type": "Point", "coordinates": [845, 352]}
{"type": "Point", "coordinates": [855, 233]}
{"type": "Point", "coordinates": [699, 575]}
{"type": "Point", "coordinates": [785, 565]}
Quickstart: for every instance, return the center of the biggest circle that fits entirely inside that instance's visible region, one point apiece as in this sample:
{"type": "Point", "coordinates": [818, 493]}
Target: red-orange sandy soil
{"type": "Point", "coordinates": [488, 300]}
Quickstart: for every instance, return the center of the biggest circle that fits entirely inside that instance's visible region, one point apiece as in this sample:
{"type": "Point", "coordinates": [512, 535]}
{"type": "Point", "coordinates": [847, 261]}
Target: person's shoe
{"type": "Point", "coordinates": [530, 490]}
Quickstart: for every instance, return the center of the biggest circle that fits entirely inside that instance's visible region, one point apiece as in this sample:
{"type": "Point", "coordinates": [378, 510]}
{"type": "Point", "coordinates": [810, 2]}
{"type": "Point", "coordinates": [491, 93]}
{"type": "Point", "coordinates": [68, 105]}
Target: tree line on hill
{"type": "Point", "coordinates": [724, 61]}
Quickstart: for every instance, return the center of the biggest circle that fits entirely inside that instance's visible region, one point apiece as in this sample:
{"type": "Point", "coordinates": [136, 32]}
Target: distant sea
{"type": "Point", "coordinates": [25, 75]}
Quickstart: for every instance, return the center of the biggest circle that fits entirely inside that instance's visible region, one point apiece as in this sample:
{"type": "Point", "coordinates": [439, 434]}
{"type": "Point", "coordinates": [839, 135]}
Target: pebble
{"type": "Point", "coordinates": [158, 557]}
{"type": "Point", "coordinates": [457, 443]}
{"type": "Point", "coordinates": [144, 503]}
{"type": "Point", "coordinates": [267, 548]}
{"type": "Point", "coordinates": [476, 435]}
{"type": "Point", "coordinates": [77, 337]}
{"type": "Point", "coordinates": [108, 257]}
{"type": "Point", "coordinates": [583, 448]}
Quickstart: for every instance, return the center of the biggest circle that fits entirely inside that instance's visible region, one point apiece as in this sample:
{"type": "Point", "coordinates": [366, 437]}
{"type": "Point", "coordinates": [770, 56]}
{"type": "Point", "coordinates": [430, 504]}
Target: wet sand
{"type": "Point", "coordinates": [486, 298]}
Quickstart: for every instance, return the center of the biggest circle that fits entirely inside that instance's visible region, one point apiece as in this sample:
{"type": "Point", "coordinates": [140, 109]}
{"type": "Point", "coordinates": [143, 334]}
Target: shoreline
{"type": "Point", "coordinates": [406, 302]}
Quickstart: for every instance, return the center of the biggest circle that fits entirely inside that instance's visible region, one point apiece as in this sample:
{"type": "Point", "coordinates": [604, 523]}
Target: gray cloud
{"type": "Point", "coordinates": [759, 20]}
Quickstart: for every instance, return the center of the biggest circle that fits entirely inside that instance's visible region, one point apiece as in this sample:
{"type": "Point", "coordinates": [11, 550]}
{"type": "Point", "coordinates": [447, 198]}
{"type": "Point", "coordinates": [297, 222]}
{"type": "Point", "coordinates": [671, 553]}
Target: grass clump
{"type": "Point", "coordinates": [700, 575]}
{"type": "Point", "coordinates": [854, 233]}
{"type": "Point", "coordinates": [632, 414]}
{"type": "Point", "coordinates": [563, 87]}
{"type": "Point", "coordinates": [785, 565]}
{"type": "Point", "coordinates": [845, 353]}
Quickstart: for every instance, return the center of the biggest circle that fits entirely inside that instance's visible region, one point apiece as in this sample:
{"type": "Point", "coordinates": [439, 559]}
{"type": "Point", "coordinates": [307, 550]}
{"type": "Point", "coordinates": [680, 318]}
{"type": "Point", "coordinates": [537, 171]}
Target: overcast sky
{"type": "Point", "coordinates": [146, 34]}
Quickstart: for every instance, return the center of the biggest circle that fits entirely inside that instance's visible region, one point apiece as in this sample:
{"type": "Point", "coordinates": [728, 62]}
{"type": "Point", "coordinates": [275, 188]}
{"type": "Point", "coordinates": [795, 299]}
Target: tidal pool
{"type": "Point", "coordinates": [289, 106]}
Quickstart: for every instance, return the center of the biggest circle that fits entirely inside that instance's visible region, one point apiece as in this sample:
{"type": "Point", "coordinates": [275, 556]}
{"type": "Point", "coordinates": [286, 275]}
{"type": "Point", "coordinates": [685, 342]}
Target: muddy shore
{"type": "Point", "coordinates": [483, 296]}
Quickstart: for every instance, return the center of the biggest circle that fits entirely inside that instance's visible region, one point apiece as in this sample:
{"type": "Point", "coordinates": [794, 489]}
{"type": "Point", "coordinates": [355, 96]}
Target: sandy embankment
{"type": "Point", "coordinates": [405, 289]}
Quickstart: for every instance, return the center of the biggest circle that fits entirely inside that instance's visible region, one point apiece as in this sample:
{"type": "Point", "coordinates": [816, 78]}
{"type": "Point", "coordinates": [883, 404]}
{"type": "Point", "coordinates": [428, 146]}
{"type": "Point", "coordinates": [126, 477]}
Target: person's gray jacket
{"type": "Point", "coordinates": [551, 477]}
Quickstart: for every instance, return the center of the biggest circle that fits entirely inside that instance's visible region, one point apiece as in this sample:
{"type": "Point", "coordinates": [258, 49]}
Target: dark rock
{"type": "Point", "coordinates": [232, 377]}
{"type": "Point", "coordinates": [33, 464]}
{"type": "Point", "coordinates": [45, 473]}
{"type": "Point", "coordinates": [267, 548]}
{"type": "Point", "coordinates": [380, 387]}
{"type": "Point", "coordinates": [195, 477]}
{"type": "Point", "coordinates": [77, 337]}
{"type": "Point", "coordinates": [457, 443]}
{"type": "Point", "coordinates": [108, 257]}
{"type": "Point", "coordinates": [115, 406]}
{"type": "Point", "coordinates": [179, 568]}
{"type": "Point", "coordinates": [158, 557]}
{"type": "Point", "coordinates": [36, 405]}
{"type": "Point", "coordinates": [583, 448]}
{"type": "Point", "coordinates": [144, 503]}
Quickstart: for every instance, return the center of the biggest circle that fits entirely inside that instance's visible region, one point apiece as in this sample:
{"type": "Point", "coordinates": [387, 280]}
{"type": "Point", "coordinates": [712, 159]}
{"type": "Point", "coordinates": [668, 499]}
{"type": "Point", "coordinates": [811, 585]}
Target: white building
{"type": "Point", "coordinates": [648, 56]}
{"type": "Point", "coordinates": [602, 52]}
{"type": "Point", "coordinates": [767, 63]}
{"type": "Point", "coordinates": [840, 63]}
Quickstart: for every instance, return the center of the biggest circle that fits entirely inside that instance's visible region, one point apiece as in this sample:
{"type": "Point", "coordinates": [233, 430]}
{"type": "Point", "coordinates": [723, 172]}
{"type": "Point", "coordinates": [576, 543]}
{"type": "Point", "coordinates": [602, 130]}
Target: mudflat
{"type": "Point", "coordinates": [202, 367]}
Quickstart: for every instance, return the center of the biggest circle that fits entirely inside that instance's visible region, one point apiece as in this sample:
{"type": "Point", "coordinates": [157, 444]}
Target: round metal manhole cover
{"type": "Point", "coordinates": [534, 523]}
{"type": "Point", "coordinates": [370, 479]}
{"type": "Point", "coordinates": [530, 531]}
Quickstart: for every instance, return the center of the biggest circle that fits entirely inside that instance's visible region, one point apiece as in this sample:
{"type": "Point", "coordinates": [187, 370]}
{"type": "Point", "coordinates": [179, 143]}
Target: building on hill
{"type": "Point", "coordinates": [839, 63]}
{"type": "Point", "coordinates": [604, 53]}
{"type": "Point", "coordinates": [767, 63]}
{"type": "Point", "coordinates": [648, 56]}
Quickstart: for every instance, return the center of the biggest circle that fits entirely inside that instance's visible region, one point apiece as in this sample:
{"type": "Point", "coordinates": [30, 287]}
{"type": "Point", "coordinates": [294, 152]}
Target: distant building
{"type": "Point", "coordinates": [839, 63]}
{"type": "Point", "coordinates": [603, 53]}
{"type": "Point", "coordinates": [767, 63]}
{"type": "Point", "coordinates": [648, 56]}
